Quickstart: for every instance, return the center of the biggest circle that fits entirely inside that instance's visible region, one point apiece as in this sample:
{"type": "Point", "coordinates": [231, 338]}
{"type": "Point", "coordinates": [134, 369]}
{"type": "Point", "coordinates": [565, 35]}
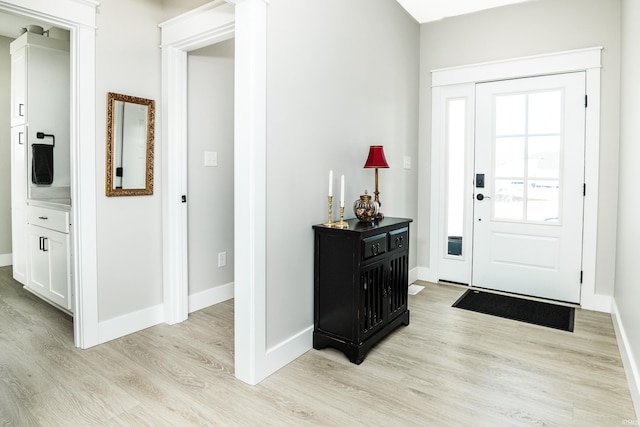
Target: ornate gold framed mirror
{"type": "Point", "coordinates": [130, 137]}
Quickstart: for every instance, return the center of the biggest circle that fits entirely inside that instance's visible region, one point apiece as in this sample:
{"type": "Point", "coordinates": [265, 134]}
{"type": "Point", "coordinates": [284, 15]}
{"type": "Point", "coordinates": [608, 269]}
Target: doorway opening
{"type": "Point", "coordinates": [79, 19]}
{"type": "Point", "coordinates": [210, 174]}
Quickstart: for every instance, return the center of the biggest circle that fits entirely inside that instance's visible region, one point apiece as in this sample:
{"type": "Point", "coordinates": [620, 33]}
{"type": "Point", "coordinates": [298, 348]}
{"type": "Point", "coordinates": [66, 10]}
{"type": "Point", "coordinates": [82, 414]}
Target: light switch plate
{"type": "Point", "coordinates": [210, 158]}
{"type": "Point", "coordinates": [407, 162]}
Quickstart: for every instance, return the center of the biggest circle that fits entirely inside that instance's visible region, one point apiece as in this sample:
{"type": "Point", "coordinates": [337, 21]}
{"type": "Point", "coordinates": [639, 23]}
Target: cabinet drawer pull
{"type": "Point", "coordinates": [399, 240]}
{"type": "Point", "coordinates": [20, 112]}
{"type": "Point", "coordinates": [43, 241]}
{"type": "Point", "coordinates": [43, 217]}
{"type": "Point", "coordinates": [375, 249]}
{"type": "Point", "coordinates": [20, 135]}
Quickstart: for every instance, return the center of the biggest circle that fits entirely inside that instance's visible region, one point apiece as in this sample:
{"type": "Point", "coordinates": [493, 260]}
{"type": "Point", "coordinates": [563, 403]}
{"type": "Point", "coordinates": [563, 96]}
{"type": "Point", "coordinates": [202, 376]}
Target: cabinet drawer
{"type": "Point", "coordinates": [374, 246]}
{"type": "Point", "coordinates": [399, 239]}
{"type": "Point", "coordinates": [48, 218]}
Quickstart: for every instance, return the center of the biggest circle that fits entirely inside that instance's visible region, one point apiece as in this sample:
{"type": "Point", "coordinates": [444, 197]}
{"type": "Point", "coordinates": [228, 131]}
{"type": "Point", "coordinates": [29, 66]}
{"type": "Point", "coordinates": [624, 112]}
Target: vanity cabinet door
{"type": "Point", "coordinates": [38, 262]}
{"type": "Point", "coordinates": [19, 87]}
{"type": "Point", "coordinates": [49, 255]}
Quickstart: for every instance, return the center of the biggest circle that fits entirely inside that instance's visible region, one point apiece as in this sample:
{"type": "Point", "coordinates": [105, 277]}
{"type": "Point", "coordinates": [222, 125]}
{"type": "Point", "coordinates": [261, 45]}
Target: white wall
{"type": "Point", "coordinates": [341, 75]}
{"type": "Point", "coordinates": [5, 151]}
{"type": "Point", "coordinates": [525, 29]}
{"type": "Point", "coordinates": [627, 290]}
{"type": "Point", "coordinates": [210, 189]}
{"type": "Point", "coordinates": [129, 229]}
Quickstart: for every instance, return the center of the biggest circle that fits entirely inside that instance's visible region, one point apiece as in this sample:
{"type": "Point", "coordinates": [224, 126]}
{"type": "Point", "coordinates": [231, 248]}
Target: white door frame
{"type": "Point", "coordinates": [203, 26]}
{"type": "Point", "coordinates": [79, 17]}
{"type": "Point", "coordinates": [587, 60]}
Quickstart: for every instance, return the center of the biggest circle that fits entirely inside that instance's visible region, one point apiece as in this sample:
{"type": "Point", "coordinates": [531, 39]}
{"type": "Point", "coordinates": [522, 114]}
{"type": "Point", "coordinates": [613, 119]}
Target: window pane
{"type": "Point", "coordinates": [545, 112]}
{"type": "Point", "coordinates": [456, 131]}
{"type": "Point", "coordinates": [544, 157]}
{"type": "Point", "coordinates": [509, 157]}
{"type": "Point", "coordinates": [510, 115]}
{"type": "Point", "coordinates": [508, 202]}
{"type": "Point", "coordinates": [543, 201]}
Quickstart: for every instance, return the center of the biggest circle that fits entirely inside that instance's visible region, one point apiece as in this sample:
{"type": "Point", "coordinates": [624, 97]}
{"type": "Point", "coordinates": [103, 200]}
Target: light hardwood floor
{"type": "Point", "coordinates": [448, 367]}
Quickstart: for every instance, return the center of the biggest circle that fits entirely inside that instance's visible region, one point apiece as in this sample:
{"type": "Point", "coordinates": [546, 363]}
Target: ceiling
{"type": "Point", "coordinates": [422, 10]}
{"type": "Point", "coordinates": [434, 10]}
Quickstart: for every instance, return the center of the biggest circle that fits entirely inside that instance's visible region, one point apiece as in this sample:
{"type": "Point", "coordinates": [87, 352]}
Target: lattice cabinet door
{"type": "Point", "coordinates": [372, 309]}
{"type": "Point", "coordinates": [397, 284]}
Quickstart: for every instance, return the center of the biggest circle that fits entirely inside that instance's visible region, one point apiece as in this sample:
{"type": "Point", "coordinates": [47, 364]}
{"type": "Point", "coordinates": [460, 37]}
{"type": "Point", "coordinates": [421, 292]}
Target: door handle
{"type": "Point", "coordinates": [481, 196]}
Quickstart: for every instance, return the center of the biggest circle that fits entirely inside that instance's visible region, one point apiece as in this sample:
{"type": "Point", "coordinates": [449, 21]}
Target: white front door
{"type": "Point", "coordinates": [529, 186]}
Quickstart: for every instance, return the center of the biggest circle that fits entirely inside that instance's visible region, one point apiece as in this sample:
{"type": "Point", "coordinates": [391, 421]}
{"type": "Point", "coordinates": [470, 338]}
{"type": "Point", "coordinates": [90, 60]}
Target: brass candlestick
{"type": "Point", "coordinates": [329, 222]}
{"type": "Point", "coordinates": [341, 224]}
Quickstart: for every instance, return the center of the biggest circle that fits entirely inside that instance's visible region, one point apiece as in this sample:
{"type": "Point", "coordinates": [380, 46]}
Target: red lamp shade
{"type": "Point", "coordinates": [376, 158]}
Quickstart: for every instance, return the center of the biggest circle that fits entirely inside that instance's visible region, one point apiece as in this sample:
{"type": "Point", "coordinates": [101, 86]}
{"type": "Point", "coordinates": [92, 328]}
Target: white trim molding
{"type": "Point", "coordinates": [200, 27]}
{"type": "Point", "coordinates": [528, 66]}
{"type": "Point", "coordinates": [78, 16]}
{"type": "Point", "coordinates": [76, 11]}
{"type": "Point", "coordinates": [631, 369]}
{"type": "Point", "coordinates": [587, 60]}
{"type": "Point", "coordinates": [210, 297]}
{"type": "Point", "coordinates": [208, 24]}
{"type": "Point", "coordinates": [131, 322]}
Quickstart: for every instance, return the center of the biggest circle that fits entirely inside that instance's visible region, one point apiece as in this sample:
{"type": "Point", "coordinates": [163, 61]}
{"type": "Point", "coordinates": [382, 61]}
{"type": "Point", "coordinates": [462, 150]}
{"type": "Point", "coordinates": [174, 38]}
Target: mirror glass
{"type": "Point", "coordinates": [130, 127]}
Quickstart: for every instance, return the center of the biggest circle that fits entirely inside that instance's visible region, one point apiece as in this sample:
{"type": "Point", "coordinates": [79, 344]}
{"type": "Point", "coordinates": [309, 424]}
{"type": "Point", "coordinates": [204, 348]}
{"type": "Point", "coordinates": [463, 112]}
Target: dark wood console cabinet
{"type": "Point", "coordinates": [361, 280]}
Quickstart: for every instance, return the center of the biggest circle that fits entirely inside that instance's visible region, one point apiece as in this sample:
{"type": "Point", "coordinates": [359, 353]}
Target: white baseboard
{"type": "Point", "coordinates": [142, 319]}
{"type": "Point", "coordinates": [602, 303]}
{"type": "Point", "coordinates": [210, 297]}
{"type": "Point", "coordinates": [130, 323]}
{"type": "Point", "coordinates": [413, 275]}
{"type": "Point", "coordinates": [287, 351]}
{"type": "Point", "coordinates": [426, 274]}
{"type": "Point", "coordinates": [630, 363]}
{"type": "Point", "coordinates": [5, 260]}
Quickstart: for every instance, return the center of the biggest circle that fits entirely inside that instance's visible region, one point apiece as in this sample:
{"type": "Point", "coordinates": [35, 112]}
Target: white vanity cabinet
{"type": "Point", "coordinates": [49, 249]}
{"type": "Point", "coordinates": [40, 93]}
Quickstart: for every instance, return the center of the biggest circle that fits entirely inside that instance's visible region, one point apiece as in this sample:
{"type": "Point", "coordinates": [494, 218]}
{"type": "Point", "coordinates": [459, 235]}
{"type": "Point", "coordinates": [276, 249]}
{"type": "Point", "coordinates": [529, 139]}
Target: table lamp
{"type": "Point", "coordinates": [376, 160]}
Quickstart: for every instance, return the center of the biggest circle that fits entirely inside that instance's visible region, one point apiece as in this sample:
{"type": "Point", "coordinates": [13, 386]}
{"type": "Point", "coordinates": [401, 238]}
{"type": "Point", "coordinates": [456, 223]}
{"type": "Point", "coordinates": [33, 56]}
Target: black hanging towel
{"type": "Point", "coordinates": [42, 164]}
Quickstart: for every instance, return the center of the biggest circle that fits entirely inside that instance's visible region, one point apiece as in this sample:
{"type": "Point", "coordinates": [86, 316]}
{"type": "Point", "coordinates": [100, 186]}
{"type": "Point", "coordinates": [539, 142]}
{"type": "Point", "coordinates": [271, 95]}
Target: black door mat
{"type": "Point", "coordinates": [523, 310]}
